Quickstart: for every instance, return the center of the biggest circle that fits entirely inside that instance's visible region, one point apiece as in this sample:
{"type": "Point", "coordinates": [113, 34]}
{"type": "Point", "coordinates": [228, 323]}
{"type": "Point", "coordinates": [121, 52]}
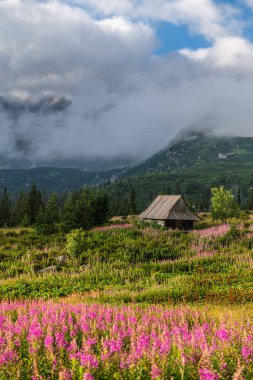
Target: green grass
{"type": "Point", "coordinates": [140, 264]}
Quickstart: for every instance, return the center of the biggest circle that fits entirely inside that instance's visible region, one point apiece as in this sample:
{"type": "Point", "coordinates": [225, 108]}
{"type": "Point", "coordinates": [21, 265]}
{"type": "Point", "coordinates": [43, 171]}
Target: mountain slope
{"type": "Point", "coordinates": [198, 149]}
{"type": "Point", "coordinates": [189, 166]}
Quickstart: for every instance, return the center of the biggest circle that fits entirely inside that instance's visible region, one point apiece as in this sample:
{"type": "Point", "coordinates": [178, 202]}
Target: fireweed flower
{"type": "Point", "coordinates": [96, 341]}
{"type": "Point", "coordinates": [88, 376]}
{"type": "Point", "coordinates": [247, 353]}
{"type": "Point", "coordinates": [206, 374]}
{"type": "Point", "coordinates": [155, 372]}
{"type": "Point", "coordinates": [216, 231]}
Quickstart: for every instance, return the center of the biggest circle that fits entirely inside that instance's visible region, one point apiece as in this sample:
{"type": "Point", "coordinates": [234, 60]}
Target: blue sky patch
{"type": "Point", "coordinates": [175, 37]}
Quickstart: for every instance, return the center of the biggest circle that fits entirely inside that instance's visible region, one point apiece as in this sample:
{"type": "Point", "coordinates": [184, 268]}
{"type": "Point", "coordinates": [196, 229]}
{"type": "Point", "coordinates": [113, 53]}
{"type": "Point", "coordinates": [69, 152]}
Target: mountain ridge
{"type": "Point", "coordinates": [194, 157]}
{"type": "Point", "coordinates": [197, 148]}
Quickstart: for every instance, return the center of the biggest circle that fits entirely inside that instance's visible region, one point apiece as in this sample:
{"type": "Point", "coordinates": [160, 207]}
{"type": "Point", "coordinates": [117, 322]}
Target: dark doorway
{"type": "Point", "coordinates": [184, 225]}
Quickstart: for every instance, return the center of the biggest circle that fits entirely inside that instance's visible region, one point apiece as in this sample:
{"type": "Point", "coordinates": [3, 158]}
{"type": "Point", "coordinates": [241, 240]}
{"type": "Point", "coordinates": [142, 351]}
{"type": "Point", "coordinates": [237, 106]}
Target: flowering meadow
{"type": "Point", "coordinates": [47, 340]}
{"type": "Point", "coordinates": [132, 301]}
{"type": "Point", "coordinates": [215, 231]}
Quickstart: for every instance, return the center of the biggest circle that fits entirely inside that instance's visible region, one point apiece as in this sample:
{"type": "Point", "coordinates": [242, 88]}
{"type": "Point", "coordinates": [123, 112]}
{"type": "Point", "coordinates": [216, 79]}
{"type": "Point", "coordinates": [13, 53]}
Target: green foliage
{"type": "Point", "coordinates": [76, 242]}
{"type": "Point", "coordinates": [234, 231]}
{"type": "Point", "coordinates": [5, 210]}
{"type": "Point", "coordinates": [34, 204]}
{"type": "Point", "coordinates": [223, 204]}
{"type": "Point", "coordinates": [191, 166]}
{"type": "Point", "coordinates": [84, 209]}
{"type": "Point", "coordinates": [19, 213]}
{"type": "Point", "coordinates": [124, 264]}
{"type": "Point", "coordinates": [48, 218]}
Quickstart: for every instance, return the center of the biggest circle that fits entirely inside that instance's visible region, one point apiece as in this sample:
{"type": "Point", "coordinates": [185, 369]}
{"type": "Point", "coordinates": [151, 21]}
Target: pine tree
{"type": "Point", "coordinates": [68, 215]}
{"type": "Point", "coordinates": [99, 208]}
{"type": "Point", "coordinates": [19, 210]}
{"type": "Point", "coordinates": [133, 207]}
{"type": "Point", "coordinates": [85, 209]}
{"type": "Point", "coordinates": [5, 210]}
{"type": "Point", "coordinates": [239, 198]}
{"type": "Point", "coordinates": [34, 203]}
{"type": "Point", "coordinates": [48, 218]}
{"type": "Point", "coordinates": [249, 203]}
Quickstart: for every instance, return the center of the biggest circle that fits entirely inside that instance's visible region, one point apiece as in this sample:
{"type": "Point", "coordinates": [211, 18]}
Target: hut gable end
{"type": "Point", "coordinates": [182, 212]}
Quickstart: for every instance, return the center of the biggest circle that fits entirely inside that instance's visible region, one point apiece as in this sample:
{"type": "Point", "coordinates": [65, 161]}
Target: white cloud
{"type": "Point", "coordinates": [227, 52]}
{"type": "Point", "coordinates": [41, 43]}
{"type": "Point", "coordinates": [125, 100]}
{"type": "Point", "coordinates": [249, 2]}
{"type": "Point", "coordinates": [202, 16]}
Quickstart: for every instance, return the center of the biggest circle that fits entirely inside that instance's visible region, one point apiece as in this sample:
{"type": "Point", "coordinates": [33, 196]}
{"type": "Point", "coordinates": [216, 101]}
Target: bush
{"type": "Point", "coordinates": [76, 242]}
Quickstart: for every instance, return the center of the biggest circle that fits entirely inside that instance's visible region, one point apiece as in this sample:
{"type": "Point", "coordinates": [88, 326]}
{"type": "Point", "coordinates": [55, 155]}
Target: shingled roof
{"type": "Point", "coordinates": [169, 207]}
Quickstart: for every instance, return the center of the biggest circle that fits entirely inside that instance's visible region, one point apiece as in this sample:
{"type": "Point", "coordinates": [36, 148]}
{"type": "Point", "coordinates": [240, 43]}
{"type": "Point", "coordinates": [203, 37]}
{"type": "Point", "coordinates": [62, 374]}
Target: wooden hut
{"type": "Point", "coordinates": [172, 211]}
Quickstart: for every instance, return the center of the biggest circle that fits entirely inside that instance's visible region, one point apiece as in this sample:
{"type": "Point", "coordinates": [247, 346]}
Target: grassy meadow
{"type": "Point", "coordinates": [132, 262]}
{"type": "Point", "coordinates": [127, 301]}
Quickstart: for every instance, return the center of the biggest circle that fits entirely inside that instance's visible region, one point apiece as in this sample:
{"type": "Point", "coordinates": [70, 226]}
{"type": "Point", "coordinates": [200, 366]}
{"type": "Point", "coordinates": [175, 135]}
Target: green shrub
{"type": "Point", "coordinates": [76, 242]}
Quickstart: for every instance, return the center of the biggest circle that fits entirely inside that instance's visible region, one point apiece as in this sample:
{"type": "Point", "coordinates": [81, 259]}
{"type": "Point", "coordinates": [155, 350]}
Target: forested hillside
{"type": "Point", "coordinates": [189, 166]}
{"type": "Point", "coordinates": [196, 149]}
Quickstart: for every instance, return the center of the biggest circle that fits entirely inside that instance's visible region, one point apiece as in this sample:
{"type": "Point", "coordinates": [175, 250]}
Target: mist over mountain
{"type": "Point", "coordinates": [103, 84]}
{"type": "Point", "coordinates": [24, 116]}
{"type": "Point", "coordinates": [15, 107]}
{"type": "Point", "coordinates": [194, 160]}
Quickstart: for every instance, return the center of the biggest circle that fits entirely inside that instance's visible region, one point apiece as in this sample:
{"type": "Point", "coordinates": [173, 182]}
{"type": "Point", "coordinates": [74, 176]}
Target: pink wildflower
{"type": "Point", "coordinates": [247, 353]}
{"type": "Point", "coordinates": [155, 372]}
{"type": "Point", "coordinates": [88, 376]}
{"type": "Point", "coordinates": [89, 361]}
{"type": "Point", "coordinates": [222, 334]}
{"type": "Point", "coordinates": [206, 374]}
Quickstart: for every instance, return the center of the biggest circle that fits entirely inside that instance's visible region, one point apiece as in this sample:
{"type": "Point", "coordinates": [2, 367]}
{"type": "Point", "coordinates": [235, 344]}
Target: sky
{"type": "Point", "coordinates": [137, 73]}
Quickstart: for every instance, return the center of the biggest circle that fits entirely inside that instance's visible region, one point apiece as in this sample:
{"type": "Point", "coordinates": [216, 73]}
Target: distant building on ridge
{"type": "Point", "coordinates": [172, 211]}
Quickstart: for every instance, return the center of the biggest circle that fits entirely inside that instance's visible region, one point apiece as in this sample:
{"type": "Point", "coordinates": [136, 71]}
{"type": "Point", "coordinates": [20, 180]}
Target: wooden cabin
{"type": "Point", "coordinates": [172, 211]}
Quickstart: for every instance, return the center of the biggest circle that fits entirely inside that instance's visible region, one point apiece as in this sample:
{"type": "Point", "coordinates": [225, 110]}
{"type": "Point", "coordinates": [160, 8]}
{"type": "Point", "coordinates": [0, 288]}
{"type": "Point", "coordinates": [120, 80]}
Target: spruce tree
{"type": "Point", "coordinates": [239, 198]}
{"type": "Point", "coordinates": [85, 209]}
{"type": "Point", "coordinates": [133, 207]}
{"type": "Point", "coordinates": [249, 203]}
{"type": "Point", "coordinates": [99, 208]}
{"type": "Point", "coordinates": [5, 210]}
{"type": "Point", "coordinates": [48, 218]}
{"type": "Point", "coordinates": [68, 216]}
{"type": "Point", "coordinates": [34, 203]}
{"type": "Point", "coordinates": [19, 210]}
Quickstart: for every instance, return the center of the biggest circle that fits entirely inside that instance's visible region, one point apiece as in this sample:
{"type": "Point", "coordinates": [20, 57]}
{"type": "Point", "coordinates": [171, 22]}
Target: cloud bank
{"type": "Point", "coordinates": [124, 99]}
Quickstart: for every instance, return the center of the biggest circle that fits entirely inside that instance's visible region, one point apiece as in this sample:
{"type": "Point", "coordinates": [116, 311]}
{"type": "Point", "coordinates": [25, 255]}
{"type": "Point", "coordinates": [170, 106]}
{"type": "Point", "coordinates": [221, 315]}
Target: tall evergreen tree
{"type": "Point", "coordinates": [84, 209]}
{"type": "Point", "coordinates": [68, 215]}
{"type": "Point", "coordinates": [5, 210]}
{"type": "Point", "coordinates": [99, 208]}
{"type": "Point", "coordinates": [249, 203]}
{"type": "Point", "coordinates": [48, 218]}
{"type": "Point", "coordinates": [34, 203]}
{"type": "Point", "coordinates": [133, 207]}
{"type": "Point", "coordinates": [19, 210]}
{"type": "Point", "coordinates": [239, 198]}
